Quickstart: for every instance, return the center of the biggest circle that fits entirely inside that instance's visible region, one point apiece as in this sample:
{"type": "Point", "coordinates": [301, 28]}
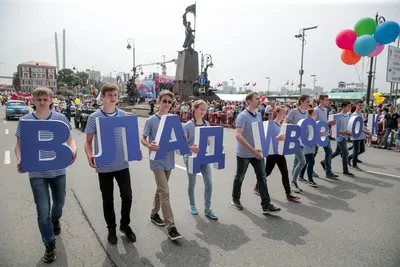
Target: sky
{"type": "Point", "coordinates": [248, 40]}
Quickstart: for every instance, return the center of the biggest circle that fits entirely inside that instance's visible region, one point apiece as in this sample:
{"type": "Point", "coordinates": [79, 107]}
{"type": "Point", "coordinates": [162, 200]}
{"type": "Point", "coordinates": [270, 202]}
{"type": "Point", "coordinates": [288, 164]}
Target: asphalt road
{"type": "Point", "coordinates": [352, 222]}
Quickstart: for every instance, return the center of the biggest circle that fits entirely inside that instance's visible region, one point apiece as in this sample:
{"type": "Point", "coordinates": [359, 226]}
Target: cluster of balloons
{"type": "Point", "coordinates": [366, 39]}
{"type": "Point", "coordinates": [94, 92]}
{"type": "Point", "coordinates": [77, 101]}
{"type": "Point", "coordinates": [378, 98]}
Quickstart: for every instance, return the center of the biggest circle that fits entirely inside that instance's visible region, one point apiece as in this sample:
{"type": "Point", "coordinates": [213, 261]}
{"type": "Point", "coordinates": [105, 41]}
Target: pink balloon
{"type": "Point", "coordinates": [379, 48]}
{"type": "Point", "coordinates": [345, 39]}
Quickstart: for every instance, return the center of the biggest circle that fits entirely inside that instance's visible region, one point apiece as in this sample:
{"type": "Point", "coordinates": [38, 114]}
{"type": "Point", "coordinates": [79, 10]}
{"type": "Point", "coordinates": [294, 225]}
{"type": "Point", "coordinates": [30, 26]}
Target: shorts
{"type": "Point", "coordinates": [398, 142]}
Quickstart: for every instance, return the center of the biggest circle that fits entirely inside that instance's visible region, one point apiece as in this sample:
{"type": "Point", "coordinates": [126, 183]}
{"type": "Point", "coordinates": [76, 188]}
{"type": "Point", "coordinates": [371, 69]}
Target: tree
{"type": "Point", "coordinates": [66, 76]}
{"type": "Point", "coordinates": [81, 78]}
{"type": "Point", "coordinates": [16, 81]}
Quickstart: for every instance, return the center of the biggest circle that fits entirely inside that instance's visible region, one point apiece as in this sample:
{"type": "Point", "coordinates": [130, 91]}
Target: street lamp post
{"type": "Point", "coordinates": [208, 59]}
{"type": "Point", "coordinates": [233, 84]}
{"type": "Point", "coordinates": [315, 79]}
{"type": "Point", "coordinates": [134, 76]}
{"type": "Point", "coordinates": [302, 36]}
{"type": "Point", "coordinates": [269, 83]}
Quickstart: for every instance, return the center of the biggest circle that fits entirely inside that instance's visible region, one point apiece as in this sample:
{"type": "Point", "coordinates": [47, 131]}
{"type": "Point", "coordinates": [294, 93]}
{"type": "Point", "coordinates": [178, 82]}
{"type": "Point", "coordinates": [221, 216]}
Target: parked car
{"type": "Point", "coordinates": [16, 109]}
{"type": "Point", "coordinates": [82, 115]}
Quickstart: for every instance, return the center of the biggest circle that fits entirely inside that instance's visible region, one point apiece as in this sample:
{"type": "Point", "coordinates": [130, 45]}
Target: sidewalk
{"type": "Point", "coordinates": [21, 245]}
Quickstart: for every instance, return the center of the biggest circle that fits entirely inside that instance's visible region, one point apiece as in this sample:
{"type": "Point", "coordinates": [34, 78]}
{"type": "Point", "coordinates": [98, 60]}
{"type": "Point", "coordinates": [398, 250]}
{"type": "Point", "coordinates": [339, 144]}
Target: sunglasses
{"type": "Point", "coordinates": [166, 101]}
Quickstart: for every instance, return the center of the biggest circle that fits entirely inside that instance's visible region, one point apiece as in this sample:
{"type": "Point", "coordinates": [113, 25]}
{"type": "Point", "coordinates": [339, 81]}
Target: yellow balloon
{"type": "Point", "coordinates": [77, 101]}
{"type": "Point", "coordinates": [1, 97]}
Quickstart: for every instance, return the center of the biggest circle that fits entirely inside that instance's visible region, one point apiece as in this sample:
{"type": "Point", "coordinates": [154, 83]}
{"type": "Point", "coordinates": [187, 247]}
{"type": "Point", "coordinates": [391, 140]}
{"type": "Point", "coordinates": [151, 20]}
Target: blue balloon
{"type": "Point", "coordinates": [387, 32]}
{"type": "Point", "coordinates": [364, 45]}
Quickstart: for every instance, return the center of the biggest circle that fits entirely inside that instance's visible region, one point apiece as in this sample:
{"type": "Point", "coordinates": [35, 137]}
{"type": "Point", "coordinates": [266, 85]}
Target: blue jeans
{"type": "Point", "coordinates": [341, 149]}
{"type": "Point", "coordinates": [359, 148]}
{"type": "Point", "coordinates": [41, 195]}
{"type": "Point", "coordinates": [328, 157]}
{"type": "Point", "coordinates": [205, 170]}
{"type": "Point", "coordinates": [298, 164]}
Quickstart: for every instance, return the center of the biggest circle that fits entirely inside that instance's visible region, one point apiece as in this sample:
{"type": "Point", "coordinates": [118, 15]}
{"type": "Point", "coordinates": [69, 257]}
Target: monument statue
{"type": "Point", "coordinates": [189, 32]}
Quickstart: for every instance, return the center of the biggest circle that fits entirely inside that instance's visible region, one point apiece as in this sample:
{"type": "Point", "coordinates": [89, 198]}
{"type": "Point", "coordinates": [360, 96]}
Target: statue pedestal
{"type": "Point", "coordinates": [187, 71]}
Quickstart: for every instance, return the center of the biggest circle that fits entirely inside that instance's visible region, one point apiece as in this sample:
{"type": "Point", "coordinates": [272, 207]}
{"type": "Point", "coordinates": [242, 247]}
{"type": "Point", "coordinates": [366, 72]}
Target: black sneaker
{"type": "Point", "coordinates": [312, 184]}
{"type": "Point", "coordinates": [359, 161]}
{"type": "Point", "coordinates": [269, 208]}
{"type": "Point", "coordinates": [157, 220]}
{"type": "Point", "coordinates": [349, 174]}
{"type": "Point", "coordinates": [173, 234]}
{"type": "Point", "coordinates": [302, 179]}
{"type": "Point", "coordinates": [130, 235]}
{"type": "Point", "coordinates": [349, 161]}
{"type": "Point", "coordinates": [357, 168]}
{"type": "Point", "coordinates": [112, 236]}
{"type": "Point", "coordinates": [315, 175]}
{"type": "Point", "coordinates": [331, 175]}
{"type": "Point", "coordinates": [56, 227]}
{"type": "Point", "coordinates": [50, 253]}
{"type": "Point", "coordinates": [323, 165]}
{"type": "Point", "coordinates": [236, 203]}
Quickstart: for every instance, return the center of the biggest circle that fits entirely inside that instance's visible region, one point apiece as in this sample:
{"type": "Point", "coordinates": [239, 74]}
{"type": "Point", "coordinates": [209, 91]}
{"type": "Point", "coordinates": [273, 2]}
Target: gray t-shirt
{"type": "Point", "coordinates": [342, 126]}
{"type": "Point", "coordinates": [295, 115]}
{"type": "Point", "coordinates": [244, 121]}
{"type": "Point", "coordinates": [322, 114]}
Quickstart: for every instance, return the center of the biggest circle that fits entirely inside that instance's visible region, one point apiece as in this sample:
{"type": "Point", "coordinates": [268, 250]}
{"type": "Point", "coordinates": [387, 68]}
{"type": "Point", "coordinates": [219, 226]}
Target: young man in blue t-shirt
{"type": "Point", "coordinates": [247, 154]}
{"type": "Point", "coordinates": [48, 217]}
{"type": "Point", "coordinates": [118, 169]}
{"type": "Point", "coordinates": [161, 168]}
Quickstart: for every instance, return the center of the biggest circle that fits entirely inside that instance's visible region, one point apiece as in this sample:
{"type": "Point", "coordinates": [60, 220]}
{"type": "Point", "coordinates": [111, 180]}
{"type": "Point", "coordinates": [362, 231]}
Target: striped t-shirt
{"type": "Point", "coordinates": [119, 162]}
{"type": "Point", "coordinates": [45, 135]}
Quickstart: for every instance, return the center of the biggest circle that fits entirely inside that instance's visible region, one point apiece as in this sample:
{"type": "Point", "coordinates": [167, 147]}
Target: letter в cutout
{"type": "Point", "coordinates": [292, 142]}
{"type": "Point", "coordinates": [170, 137]}
{"type": "Point", "coordinates": [209, 151]}
{"type": "Point", "coordinates": [43, 145]}
{"type": "Point", "coordinates": [106, 139]}
{"type": "Point", "coordinates": [265, 137]}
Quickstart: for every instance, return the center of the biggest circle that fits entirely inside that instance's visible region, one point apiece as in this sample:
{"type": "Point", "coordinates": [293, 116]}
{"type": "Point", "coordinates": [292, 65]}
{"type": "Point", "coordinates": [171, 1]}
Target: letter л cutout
{"type": "Point", "coordinates": [209, 152]}
{"type": "Point", "coordinates": [356, 126]}
{"type": "Point", "coordinates": [106, 139]}
{"type": "Point", "coordinates": [170, 127]}
{"type": "Point", "coordinates": [32, 145]}
{"type": "Point", "coordinates": [265, 137]}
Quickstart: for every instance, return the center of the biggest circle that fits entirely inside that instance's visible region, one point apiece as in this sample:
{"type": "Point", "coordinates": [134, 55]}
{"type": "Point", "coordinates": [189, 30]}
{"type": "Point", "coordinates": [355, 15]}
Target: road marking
{"type": "Point", "coordinates": [5, 121]}
{"type": "Point", "coordinates": [184, 168]}
{"type": "Point", "coordinates": [6, 131]}
{"type": "Point", "coordinates": [7, 159]}
{"type": "Point", "coordinates": [384, 174]}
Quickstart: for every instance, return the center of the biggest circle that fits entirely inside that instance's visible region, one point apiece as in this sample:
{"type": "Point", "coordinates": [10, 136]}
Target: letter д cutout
{"type": "Point", "coordinates": [292, 142]}
{"type": "Point", "coordinates": [356, 126]}
{"type": "Point", "coordinates": [106, 139]}
{"type": "Point", "coordinates": [170, 137]}
{"type": "Point", "coordinates": [210, 140]}
{"type": "Point", "coordinates": [43, 145]}
{"type": "Point", "coordinates": [265, 137]}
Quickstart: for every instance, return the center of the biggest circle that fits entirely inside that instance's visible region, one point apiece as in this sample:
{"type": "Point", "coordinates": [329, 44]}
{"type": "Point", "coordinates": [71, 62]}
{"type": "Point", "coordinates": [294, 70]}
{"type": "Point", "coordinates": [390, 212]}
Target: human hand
{"type": "Point", "coordinates": [257, 153]}
{"type": "Point", "coordinates": [91, 162]}
{"type": "Point", "coordinates": [153, 146]}
{"type": "Point", "coordinates": [194, 149]}
{"type": "Point", "coordinates": [281, 137]}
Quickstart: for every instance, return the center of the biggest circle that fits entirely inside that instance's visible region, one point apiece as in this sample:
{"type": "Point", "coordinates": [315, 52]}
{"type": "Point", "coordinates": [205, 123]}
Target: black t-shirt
{"type": "Point", "coordinates": [392, 120]}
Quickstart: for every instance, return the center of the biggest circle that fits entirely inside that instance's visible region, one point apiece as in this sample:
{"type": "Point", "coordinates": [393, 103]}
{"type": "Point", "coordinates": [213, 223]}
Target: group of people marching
{"type": "Point", "coordinates": [246, 153]}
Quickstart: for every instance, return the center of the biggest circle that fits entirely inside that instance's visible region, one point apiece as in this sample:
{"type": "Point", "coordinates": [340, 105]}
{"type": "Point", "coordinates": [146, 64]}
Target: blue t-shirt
{"type": "Point", "coordinates": [244, 120]}
{"type": "Point", "coordinates": [150, 131]}
{"type": "Point", "coordinates": [342, 126]}
{"type": "Point", "coordinates": [277, 128]}
{"type": "Point", "coordinates": [119, 162]}
{"type": "Point", "coordinates": [322, 114]}
{"type": "Point", "coordinates": [295, 115]}
{"type": "Point", "coordinates": [45, 135]}
{"type": "Point", "coordinates": [362, 136]}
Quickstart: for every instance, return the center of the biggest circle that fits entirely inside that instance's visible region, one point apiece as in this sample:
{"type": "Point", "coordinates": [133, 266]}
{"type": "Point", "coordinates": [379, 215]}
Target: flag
{"type": "Point", "coordinates": [287, 83]}
{"type": "Point", "coordinates": [247, 84]}
{"type": "Point", "coordinates": [292, 83]}
{"type": "Point", "coordinates": [254, 84]}
{"type": "Point", "coordinates": [191, 9]}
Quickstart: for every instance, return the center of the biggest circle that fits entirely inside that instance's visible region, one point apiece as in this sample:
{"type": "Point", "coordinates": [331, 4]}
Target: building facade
{"type": "Point", "coordinates": [33, 74]}
{"type": "Point", "coordinates": [94, 75]}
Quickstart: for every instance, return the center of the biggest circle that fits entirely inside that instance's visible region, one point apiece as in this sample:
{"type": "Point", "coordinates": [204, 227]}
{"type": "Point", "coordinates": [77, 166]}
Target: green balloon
{"type": "Point", "coordinates": [365, 26]}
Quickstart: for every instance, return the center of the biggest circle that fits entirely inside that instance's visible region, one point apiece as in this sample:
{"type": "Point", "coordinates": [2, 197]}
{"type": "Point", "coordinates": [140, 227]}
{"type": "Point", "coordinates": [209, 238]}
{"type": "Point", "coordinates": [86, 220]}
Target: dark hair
{"type": "Point", "coordinates": [353, 108]}
{"type": "Point", "coordinates": [345, 104]}
{"type": "Point", "coordinates": [311, 111]}
{"type": "Point", "coordinates": [359, 102]}
{"type": "Point", "coordinates": [250, 95]}
{"type": "Point", "coordinates": [322, 97]}
{"type": "Point", "coordinates": [302, 98]}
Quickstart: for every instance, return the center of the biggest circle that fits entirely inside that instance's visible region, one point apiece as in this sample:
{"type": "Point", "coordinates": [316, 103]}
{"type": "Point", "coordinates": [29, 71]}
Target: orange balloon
{"type": "Point", "coordinates": [349, 57]}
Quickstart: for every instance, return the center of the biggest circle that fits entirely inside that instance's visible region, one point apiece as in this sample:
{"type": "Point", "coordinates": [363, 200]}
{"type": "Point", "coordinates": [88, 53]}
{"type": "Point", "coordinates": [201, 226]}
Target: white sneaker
{"type": "Point", "coordinates": [296, 188]}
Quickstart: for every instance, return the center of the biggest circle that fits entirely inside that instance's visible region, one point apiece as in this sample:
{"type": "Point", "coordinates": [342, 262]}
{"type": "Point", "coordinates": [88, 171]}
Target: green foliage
{"type": "Point", "coordinates": [70, 78]}
{"type": "Point", "coordinates": [15, 81]}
